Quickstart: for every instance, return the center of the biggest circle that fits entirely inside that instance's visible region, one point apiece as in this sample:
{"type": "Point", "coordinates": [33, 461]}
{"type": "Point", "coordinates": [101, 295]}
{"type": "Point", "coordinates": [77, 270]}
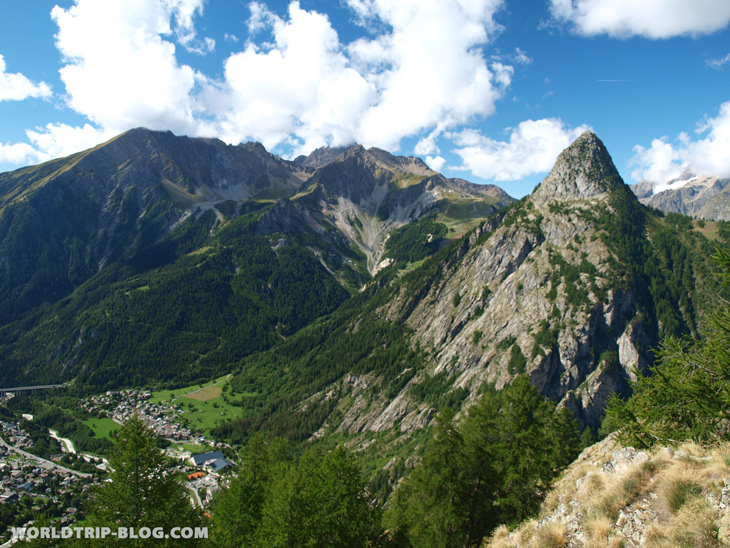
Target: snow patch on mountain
{"type": "Point", "coordinates": [674, 184]}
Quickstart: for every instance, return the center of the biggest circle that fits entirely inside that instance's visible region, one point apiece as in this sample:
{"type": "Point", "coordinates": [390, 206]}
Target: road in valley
{"type": "Point", "coordinates": [44, 462]}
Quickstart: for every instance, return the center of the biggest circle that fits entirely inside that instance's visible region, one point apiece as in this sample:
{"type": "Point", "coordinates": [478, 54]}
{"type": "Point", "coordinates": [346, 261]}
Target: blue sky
{"type": "Point", "coordinates": [486, 90]}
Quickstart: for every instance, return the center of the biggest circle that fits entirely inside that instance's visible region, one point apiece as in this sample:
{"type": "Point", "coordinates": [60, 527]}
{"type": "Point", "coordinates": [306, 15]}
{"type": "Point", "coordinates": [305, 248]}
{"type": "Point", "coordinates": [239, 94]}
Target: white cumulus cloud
{"type": "Point", "coordinates": [532, 148]}
{"type": "Point", "coordinates": [429, 68]}
{"type": "Point", "coordinates": [293, 84]}
{"type": "Point", "coordinates": [52, 141]}
{"type": "Point", "coordinates": [435, 163]}
{"type": "Point", "coordinates": [184, 12]}
{"type": "Point", "coordinates": [58, 140]}
{"type": "Point", "coordinates": [299, 89]}
{"type": "Point", "coordinates": [656, 19]}
{"type": "Point", "coordinates": [18, 153]}
{"type": "Point", "coordinates": [17, 87]}
{"type": "Point", "coordinates": [705, 155]}
{"type": "Point", "coordinates": [306, 88]}
{"type": "Point", "coordinates": [119, 70]}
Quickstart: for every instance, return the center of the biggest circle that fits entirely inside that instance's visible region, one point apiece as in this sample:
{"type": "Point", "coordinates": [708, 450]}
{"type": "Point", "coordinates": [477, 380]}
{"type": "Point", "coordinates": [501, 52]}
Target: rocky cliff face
{"type": "Point", "coordinates": [534, 290]}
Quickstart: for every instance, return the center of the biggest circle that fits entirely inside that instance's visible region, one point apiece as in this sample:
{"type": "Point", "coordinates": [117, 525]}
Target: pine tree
{"type": "Point", "coordinates": [142, 492]}
{"type": "Point", "coordinates": [566, 437]}
{"type": "Point", "coordinates": [524, 456]}
{"type": "Point", "coordinates": [587, 437]}
{"type": "Point", "coordinates": [492, 469]}
{"type": "Point", "coordinates": [687, 394]}
{"type": "Point", "coordinates": [428, 507]}
{"type": "Point", "coordinates": [329, 506]}
{"type": "Point", "coordinates": [481, 436]}
{"type": "Point", "coordinates": [277, 503]}
{"type": "Point", "coordinates": [238, 511]}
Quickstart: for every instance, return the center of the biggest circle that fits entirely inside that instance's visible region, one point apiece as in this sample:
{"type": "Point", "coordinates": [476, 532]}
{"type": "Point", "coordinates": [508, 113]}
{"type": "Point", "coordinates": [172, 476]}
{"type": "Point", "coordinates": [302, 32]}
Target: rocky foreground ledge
{"type": "Point", "coordinates": [614, 496]}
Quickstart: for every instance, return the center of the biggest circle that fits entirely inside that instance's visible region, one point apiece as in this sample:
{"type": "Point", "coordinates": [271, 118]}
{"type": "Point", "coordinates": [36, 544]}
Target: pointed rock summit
{"type": "Point", "coordinates": [582, 170]}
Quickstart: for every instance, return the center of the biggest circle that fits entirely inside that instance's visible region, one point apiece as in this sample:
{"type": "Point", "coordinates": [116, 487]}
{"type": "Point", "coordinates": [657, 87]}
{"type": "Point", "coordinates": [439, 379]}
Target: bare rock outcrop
{"type": "Point", "coordinates": [618, 496]}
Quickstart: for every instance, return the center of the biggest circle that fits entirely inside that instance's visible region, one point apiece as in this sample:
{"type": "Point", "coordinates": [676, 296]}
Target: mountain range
{"type": "Point", "coordinates": [349, 293]}
{"type": "Point", "coordinates": [186, 254]}
{"type": "Point", "coordinates": [704, 197]}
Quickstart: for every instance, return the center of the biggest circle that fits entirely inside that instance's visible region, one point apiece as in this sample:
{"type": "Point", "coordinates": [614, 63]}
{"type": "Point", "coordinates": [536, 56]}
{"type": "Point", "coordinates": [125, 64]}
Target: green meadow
{"type": "Point", "coordinates": [202, 405]}
{"type": "Point", "coordinates": [102, 427]}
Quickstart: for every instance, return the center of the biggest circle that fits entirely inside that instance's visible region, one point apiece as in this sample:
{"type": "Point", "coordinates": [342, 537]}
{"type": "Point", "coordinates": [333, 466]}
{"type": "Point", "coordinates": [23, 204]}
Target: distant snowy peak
{"type": "Point", "coordinates": [703, 196]}
{"type": "Point", "coordinates": [674, 184]}
{"type": "Point", "coordinates": [647, 189]}
{"type": "Point", "coordinates": [697, 183]}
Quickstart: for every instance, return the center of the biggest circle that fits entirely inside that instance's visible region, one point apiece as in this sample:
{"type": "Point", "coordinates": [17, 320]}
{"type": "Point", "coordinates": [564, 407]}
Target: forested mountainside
{"type": "Point", "coordinates": [573, 285]}
{"type": "Point", "coordinates": [156, 258]}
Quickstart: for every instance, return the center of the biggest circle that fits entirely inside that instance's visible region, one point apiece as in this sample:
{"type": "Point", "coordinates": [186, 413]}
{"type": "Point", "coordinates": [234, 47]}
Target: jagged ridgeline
{"type": "Point", "coordinates": [573, 285]}
{"type": "Point", "coordinates": [156, 259]}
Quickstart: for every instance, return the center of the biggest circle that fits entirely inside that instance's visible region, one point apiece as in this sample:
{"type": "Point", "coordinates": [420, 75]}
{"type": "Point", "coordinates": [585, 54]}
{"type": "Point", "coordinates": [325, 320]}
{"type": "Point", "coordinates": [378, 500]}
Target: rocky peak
{"type": "Point", "coordinates": [320, 157]}
{"type": "Point", "coordinates": [325, 156]}
{"type": "Point", "coordinates": [582, 170]}
{"type": "Point", "coordinates": [355, 151]}
{"type": "Point", "coordinates": [410, 164]}
{"type": "Point", "coordinates": [254, 146]}
{"type": "Point", "coordinates": [142, 134]}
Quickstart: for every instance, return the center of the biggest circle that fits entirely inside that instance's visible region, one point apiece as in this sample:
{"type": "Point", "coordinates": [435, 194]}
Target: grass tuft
{"type": "Point", "coordinates": [598, 528]}
{"type": "Point", "coordinates": [694, 527]}
{"type": "Point", "coordinates": [678, 486]}
{"type": "Point", "coordinates": [551, 535]}
{"type": "Point", "coordinates": [500, 538]}
{"type": "Point", "coordinates": [621, 491]}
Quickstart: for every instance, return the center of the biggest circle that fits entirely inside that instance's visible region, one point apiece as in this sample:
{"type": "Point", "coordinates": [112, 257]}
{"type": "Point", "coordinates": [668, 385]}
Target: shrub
{"type": "Point", "coordinates": [517, 361]}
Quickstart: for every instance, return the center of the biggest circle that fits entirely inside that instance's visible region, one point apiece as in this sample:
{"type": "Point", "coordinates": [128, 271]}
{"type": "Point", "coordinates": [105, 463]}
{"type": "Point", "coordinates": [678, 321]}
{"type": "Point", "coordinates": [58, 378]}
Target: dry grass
{"type": "Point", "coordinates": [616, 542]}
{"type": "Point", "coordinates": [525, 533]}
{"type": "Point", "coordinates": [620, 490]}
{"type": "Point", "coordinates": [678, 486]}
{"type": "Point", "coordinates": [693, 449]}
{"type": "Point", "coordinates": [612, 542]}
{"type": "Point", "coordinates": [694, 527]}
{"type": "Point", "coordinates": [551, 502]}
{"type": "Point", "coordinates": [597, 529]}
{"type": "Point", "coordinates": [715, 470]}
{"type": "Point", "coordinates": [205, 394]}
{"type": "Point", "coordinates": [722, 453]}
{"type": "Point", "coordinates": [550, 535]}
{"type": "Point", "coordinates": [500, 538]}
{"type": "Point", "coordinates": [594, 482]}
